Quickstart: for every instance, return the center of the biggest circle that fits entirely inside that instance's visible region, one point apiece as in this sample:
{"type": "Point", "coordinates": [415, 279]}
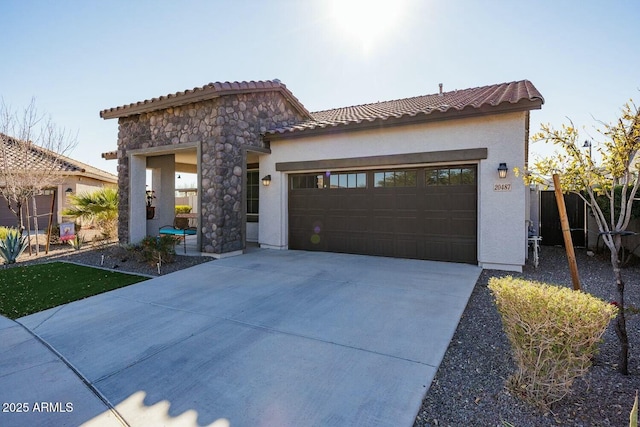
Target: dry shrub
{"type": "Point", "coordinates": [554, 334]}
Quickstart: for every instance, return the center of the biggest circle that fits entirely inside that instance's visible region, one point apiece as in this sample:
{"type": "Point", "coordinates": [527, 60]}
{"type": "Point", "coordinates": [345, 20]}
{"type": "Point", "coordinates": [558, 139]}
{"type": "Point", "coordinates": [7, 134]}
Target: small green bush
{"type": "Point", "coordinates": [182, 209]}
{"type": "Point", "coordinates": [77, 242]}
{"type": "Point", "coordinates": [156, 250]}
{"type": "Point", "coordinates": [554, 333]}
{"type": "Point", "coordinates": [3, 232]}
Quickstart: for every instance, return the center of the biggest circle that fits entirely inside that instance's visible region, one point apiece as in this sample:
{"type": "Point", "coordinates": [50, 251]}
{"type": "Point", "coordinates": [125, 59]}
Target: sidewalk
{"type": "Point", "coordinates": [39, 389]}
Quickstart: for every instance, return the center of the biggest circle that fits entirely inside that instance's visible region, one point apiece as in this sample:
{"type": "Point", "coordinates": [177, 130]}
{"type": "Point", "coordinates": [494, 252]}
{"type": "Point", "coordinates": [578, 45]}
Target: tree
{"type": "Point", "coordinates": [615, 177]}
{"type": "Point", "coordinates": [32, 157]}
{"type": "Point", "coordinates": [100, 205]}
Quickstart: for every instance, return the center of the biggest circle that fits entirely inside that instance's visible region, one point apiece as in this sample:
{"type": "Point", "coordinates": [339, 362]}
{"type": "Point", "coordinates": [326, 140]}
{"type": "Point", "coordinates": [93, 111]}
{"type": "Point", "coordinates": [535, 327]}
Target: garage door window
{"type": "Point", "coordinates": [307, 181]}
{"type": "Point", "coordinates": [450, 176]}
{"type": "Point", "coordinates": [397, 178]}
{"type": "Point", "coordinates": [348, 180]}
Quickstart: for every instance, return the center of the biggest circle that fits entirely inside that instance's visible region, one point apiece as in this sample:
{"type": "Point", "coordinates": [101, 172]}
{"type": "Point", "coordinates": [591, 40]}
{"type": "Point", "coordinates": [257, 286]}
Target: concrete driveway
{"type": "Point", "coordinates": [269, 338]}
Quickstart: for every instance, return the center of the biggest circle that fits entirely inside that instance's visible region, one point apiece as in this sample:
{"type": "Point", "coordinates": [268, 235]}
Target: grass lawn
{"type": "Point", "coordinates": [29, 289]}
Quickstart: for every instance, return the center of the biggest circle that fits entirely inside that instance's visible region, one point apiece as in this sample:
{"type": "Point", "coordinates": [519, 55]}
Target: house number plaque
{"type": "Point", "coordinates": [501, 187]}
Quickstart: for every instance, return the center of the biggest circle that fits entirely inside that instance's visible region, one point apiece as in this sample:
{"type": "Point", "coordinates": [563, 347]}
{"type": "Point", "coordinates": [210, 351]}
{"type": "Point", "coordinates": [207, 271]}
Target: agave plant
{"type": "Point", "coordinates": [12, 246]}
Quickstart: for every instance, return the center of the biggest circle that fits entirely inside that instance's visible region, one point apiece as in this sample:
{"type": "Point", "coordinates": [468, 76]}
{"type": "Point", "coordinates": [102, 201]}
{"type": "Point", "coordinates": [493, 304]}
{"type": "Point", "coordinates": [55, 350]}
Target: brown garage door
{"type": "Point", "coordinates": [421, 213]}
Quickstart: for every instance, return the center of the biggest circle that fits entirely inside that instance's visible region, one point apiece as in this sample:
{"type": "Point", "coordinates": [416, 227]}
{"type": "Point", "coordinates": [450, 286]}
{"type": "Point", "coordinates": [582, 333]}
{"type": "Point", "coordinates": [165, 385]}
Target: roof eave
{"type": "Point", "coordinates": [433, 116]}
{"type": "Point", "coordinates": [191, 97]}
{"type": "Point", "coordinates": [110, 155]}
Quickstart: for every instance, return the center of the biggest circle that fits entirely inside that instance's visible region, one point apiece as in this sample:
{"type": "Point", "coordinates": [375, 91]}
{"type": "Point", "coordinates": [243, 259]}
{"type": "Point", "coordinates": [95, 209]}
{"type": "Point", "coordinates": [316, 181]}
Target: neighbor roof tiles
{"type": "Point", "coordinates": [21, 155]}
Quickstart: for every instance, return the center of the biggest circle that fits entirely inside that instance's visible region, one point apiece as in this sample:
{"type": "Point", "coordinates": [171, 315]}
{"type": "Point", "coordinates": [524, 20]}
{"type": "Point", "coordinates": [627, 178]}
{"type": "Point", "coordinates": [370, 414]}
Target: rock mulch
{"type": "Point", "coordinates": [112, 256]}
{"type": "Point", "coordinates": [468, 389]}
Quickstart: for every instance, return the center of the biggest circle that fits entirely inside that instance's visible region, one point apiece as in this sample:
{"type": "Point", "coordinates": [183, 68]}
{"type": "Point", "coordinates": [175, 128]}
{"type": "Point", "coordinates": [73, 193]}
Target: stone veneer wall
{"type": "Point", "coordinates": [222, 126]}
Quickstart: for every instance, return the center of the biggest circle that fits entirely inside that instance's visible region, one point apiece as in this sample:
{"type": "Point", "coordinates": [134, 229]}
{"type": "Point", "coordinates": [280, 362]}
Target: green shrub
{"type": "Point", "coordinates": [182, 209]}
{"type": "Point", "coordinates": [3, 232]}
{"type": "Point", "coordinates": [554, 333]}
{"type": "Point", "coordinates": [12, 245]}
{"type": "Point", "coordinates": [156, 250]}
{"type": "Point", "coordinates": [100, 206]}
{"type": "Point", "coordinates": [77, 242]}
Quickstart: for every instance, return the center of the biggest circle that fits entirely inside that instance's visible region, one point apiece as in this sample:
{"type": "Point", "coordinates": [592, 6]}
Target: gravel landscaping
{"type": "Point", "coordinates": [116, 257]}
{"type": "Point", "coordinates": [468, 389]}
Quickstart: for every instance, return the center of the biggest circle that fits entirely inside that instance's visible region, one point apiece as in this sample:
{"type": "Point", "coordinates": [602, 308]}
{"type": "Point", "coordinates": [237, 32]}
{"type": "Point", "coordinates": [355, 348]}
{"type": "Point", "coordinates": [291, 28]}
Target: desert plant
{"type": "Point", "coordinates": [554, 333]}
{"type": "Point", "coordinates": [100, 205]}
{"type": "Point", "coordinates": [157, 250]}
{"type": "Point", "coordinates": [77, 242]}
{"type": "Point", "coordinates": [182, 209]}
{"type": "Point", "coordinates": [3, 232]}
{"type": "Point", "coordinates": [13, 244]}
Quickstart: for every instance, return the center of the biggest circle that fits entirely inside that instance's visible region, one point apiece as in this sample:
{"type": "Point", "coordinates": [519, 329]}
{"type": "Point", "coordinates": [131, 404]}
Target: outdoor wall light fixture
{"type": "Point", "coordinates": [502, 170]}
{"type": "Point", "coordinates": [68, 191]}
{"type": "Point", "coordinates": [266, 180]}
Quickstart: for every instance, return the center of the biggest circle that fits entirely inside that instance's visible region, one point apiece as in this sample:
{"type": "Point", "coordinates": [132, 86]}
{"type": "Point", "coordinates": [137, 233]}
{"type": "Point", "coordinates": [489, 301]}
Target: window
{"type": "Point", "coordinates": [348, 180]}
{"type": "Point", "coordinates": [307, 181]}
{"type": "Point", "coordinates": [450, 176]}
{"type": "Point", "coordinates": [398, 178]}
{"type": "Point", "coordinates": [253, 191]}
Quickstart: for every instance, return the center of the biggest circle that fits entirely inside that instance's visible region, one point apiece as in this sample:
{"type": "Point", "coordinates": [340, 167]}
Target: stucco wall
{"type": "Point", "coordinates": [501, 215]}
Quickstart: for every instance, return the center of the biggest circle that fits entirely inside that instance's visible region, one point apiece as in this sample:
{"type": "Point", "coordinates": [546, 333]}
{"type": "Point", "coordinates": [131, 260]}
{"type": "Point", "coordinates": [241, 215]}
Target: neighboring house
{"type": "Point", "coordinates": [71, 177]}
{"type": "Point", "coordinates": [411, 178]}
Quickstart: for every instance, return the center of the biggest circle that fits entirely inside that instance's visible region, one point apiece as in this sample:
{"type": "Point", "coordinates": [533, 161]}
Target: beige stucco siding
{"type": "Point", "coordinates": [501, 214]}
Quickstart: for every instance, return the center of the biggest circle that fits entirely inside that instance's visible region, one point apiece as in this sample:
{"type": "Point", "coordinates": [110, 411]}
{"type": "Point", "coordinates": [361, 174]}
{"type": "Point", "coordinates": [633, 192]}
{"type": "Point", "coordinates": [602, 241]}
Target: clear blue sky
{"type": "Point", "coordinates": [79, 57]}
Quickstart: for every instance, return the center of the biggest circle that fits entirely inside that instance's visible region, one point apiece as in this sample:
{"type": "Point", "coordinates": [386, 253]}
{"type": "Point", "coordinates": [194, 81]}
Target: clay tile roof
{"type": "Point", "coordinates": [208, 91]}
{"type": "Point", "coordinates": [19, 155]}
{"type": "Point", "coordinates": [420, 107]}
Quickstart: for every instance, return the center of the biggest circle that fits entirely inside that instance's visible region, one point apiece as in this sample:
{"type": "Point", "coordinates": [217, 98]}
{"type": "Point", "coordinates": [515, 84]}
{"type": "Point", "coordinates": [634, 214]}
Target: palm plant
{"type": "Point", "coordinates": [100, 206]}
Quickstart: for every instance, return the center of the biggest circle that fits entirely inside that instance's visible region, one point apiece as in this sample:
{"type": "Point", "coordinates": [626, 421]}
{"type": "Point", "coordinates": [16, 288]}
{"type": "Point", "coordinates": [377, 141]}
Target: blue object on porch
{"type": "Point", "coordinates": [173, 230]}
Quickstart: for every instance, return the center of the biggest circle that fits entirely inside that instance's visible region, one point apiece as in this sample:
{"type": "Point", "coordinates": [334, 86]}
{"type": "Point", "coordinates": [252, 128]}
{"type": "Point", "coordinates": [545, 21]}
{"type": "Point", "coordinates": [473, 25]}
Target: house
{"type": "Point", "coordinates": [69, 177]}
{"type": "Point", "coordinates": [417, 178]}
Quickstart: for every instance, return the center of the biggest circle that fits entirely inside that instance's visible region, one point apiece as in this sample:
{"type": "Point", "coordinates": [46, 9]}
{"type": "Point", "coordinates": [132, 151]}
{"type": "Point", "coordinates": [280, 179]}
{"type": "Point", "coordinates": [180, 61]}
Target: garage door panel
{"type": "Point", "coordinates": [405, 225]}
{"type": "Point", "coordinates": [337, 222]}
{"type": "Point", "coordinates": [437, 249]}
{"type": "Point", "coordinates": [463, 227]}
{"type": "Point", "coordinates": [354, 201]}
{"type": "Point", "coordinates": [382, 201]}
{"type": "Point", "coordinates": [346, 243]}
{"type": "Point", "coordinates": [462, 202]}
{"type": "Point", "coordinates": [406, 247]}
{"type": "Point", "coordinates": [357, 223]}
{"type": "Point", "coordinates": [437, 226]}
{"type": "Point", "coordinates": [383, 246]}
{"type": "Point", "coordinates": [392, 216]}
{"type": "Point", "coordinates": [406, 202]}
{"type": "Point", "coordinates": [316, 202]}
